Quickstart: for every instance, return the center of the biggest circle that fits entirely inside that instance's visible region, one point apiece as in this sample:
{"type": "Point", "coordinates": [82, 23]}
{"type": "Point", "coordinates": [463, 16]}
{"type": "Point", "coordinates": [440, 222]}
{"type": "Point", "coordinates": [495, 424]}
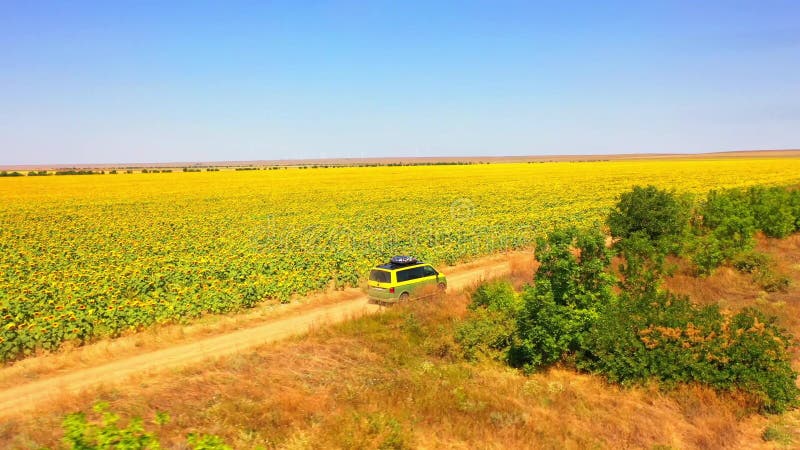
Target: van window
{"type": "Point", "coordinates": [409, 274]}
{"type": "Point", "coordinates": [381, 276]}
{"type": "Point", "coordinates": [428, 271]}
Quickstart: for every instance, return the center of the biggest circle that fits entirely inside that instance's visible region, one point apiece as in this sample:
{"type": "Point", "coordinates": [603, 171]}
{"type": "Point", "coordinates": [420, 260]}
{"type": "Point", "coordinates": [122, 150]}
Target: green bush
{"type": "Point", "coordinates": [728, 216]}
{"type": "Point", "coordinates": [570, 285]}
{"type": "Point", "coordinates": [643, 264]}
{"type": "Point", "coordinates": [666, 337]}
{"type": "Point", "coordinates": [486, 334]}
{"type": "Point", "coordinates": [751, 262]}
{"type": "Point", "coordinates": [492, 322]}
{"type": "Point", "coordinates": [763, 269]}
{"type": "Point", "coordinates": [771, 281]}
{"type": "Point", "coordinates": [661, 215]}
{"type": "Point", "coordinates": [777, 433]}
{"type": "Point", "coordinates": [773, 211]}
{"type": "Point", "coordinates": [496, 296]}
{"type": "Point", "coordinates": [794, 202]}
{"type": "Point", "coordinates": [724, 226]}
{"type": "Point", "coordinates": [106, 433]}
{"type": "Point", "coordinates": [206, 442]}
{"type": "Point", "coordinates": [706, 253]}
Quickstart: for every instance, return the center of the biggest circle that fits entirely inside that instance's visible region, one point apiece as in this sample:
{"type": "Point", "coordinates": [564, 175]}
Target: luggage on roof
{"type": "Point", "coordinates": [403, 260]}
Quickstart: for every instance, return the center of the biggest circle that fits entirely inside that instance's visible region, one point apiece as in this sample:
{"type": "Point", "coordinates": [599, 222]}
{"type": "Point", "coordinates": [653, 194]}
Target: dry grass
{"type": "Point", "coordinates": [726, 286]}
{"type": "Point", "coordinates": [523, 268]}
{"type": "Point", "coordinates": [397, 378]}
{"type": "Point", "coordinates": [736, 290]}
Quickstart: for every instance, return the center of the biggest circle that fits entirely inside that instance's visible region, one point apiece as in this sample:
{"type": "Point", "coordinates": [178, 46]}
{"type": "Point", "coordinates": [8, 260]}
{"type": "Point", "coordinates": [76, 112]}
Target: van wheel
{"type": "Point", "coordinates": [442, 287]}
{"type": "Point", "coordinates": [403, 297]}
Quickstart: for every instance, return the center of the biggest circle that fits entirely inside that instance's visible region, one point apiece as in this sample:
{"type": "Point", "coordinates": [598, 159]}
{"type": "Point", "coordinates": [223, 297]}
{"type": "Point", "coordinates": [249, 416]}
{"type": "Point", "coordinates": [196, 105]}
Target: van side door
{"type": "Point", "coordinates": [408, 280]}
{"type": "Point", "coordinates": [429, 276]}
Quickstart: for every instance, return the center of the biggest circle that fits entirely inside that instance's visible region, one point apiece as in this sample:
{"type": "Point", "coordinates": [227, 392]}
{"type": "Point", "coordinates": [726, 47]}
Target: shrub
{"type": "Point", "coordinates": [660, 215]}
{"type": "Point", "coordinates": [80, 434]}
{"type": "Point", "coordinates": [496, 296]}
{"type": "Point", "coordinates": [662, 336]}
{"type": "Point", "coordinates": [763, 269]}
{"type": "Point", "coordinates": [706, 253]}
{"type": "Point", "coordinates": [106, 433]}
{"type": "Point", "coordinates": [795, 205]}
{"type": "Point", "coordinates": [492, 322]}
{"type": "Point", "coordinates": [777, 433]}
{"type": "Point", "coordinates": [773, 211]}
{"type": "Point", "coordinates": [723, 228]}
{"type": "Point", "coordinates": [570, 284]}
{"type": "Point", "coordinates": [643, 264]}
{"type": "Point", "coordinates": [752, 261]}
{"type": "Point", "coordinates": [486, 334]}
{"type": "Point", "coordinates": [728, 216]}
{"type": "Point", "coordinates": [771, 281]}
{"type": "Point", "coordinates": [206, 442]}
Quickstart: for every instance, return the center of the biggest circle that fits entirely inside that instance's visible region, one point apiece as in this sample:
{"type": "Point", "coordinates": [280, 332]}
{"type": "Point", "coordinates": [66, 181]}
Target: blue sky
{"type": "Point", "coordinates": [147, 81]}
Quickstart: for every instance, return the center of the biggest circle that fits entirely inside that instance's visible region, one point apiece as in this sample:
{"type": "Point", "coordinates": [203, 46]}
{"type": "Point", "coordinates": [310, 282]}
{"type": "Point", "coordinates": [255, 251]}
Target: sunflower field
{"type": "Point", "coordinates": [86, 257]}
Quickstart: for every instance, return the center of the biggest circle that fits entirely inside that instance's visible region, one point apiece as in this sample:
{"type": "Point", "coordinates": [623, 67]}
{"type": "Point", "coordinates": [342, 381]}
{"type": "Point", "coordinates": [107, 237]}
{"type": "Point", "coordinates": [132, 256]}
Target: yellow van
{"type": "Point", "coordinates": [402, 277]}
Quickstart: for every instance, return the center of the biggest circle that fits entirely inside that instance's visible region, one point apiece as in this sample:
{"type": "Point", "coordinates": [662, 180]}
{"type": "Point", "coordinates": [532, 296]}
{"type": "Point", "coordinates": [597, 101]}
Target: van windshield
{"type": "Point", "coordinates": [381, 276]}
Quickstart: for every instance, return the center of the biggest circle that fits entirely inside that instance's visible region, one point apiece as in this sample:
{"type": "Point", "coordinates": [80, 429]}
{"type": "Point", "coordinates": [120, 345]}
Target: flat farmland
{"type": "Point", "coordinates": [86, 257]}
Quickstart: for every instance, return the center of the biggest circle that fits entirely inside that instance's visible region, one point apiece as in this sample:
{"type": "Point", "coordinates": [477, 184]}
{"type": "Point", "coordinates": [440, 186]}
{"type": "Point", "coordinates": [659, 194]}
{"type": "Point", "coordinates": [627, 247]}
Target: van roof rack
{"type": "Point", "coordinates": [402, 260]}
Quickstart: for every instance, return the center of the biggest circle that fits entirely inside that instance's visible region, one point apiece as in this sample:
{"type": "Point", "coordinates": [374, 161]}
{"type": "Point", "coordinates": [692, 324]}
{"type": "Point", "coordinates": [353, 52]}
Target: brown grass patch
{"type": "Point", "coordinates": [735, 290]}
{"type": "Point", "coordinates": [726, 286]}
{"type": "Point", "coordinates": [523, 268]}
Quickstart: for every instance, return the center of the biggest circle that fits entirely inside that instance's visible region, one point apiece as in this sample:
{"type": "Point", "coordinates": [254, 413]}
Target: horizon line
{"type": "Point", "coordinates": [345, 161]}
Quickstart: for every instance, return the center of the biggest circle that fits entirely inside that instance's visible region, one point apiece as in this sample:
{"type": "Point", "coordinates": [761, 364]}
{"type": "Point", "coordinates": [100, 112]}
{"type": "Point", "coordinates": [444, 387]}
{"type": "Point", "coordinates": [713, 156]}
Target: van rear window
{"type": "Point", "coordinates": [381, 276]}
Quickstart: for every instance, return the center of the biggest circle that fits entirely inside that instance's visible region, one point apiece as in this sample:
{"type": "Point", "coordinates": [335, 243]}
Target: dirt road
{"type": "Point", "coordinates": [27, 396]}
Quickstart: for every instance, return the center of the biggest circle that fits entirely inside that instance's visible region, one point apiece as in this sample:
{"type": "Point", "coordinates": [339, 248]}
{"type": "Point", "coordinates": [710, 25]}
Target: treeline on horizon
{"type": "Point", "coordinates": [129, 170]}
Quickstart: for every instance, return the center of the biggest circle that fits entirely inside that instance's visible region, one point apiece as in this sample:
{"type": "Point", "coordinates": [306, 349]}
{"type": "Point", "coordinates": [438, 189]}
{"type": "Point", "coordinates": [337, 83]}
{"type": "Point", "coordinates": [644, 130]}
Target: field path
{"type": "Point", "coordinates": [27, 396]}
